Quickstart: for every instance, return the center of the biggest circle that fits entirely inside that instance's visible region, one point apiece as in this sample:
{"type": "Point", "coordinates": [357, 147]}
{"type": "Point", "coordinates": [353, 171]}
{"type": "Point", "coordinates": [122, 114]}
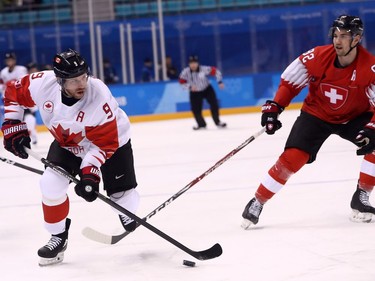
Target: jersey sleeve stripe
{"type": "Point", "coordinates": [296, 74]}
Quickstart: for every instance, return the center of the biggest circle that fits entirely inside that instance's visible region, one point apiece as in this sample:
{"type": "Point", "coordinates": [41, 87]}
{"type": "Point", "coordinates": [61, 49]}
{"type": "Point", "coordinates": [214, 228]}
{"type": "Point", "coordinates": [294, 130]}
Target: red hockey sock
{"type": "Point", "coordinates": [367, 173]}
{"type": "Point", "coordinates": [54, 214]}
{"type": "Point", "coordinates": [289, 162]}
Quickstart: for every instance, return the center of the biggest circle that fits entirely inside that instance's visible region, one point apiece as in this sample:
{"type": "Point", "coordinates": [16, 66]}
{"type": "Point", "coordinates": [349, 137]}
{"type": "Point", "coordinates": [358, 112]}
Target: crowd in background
{"type": "Point", "coordinates": [148, 74]}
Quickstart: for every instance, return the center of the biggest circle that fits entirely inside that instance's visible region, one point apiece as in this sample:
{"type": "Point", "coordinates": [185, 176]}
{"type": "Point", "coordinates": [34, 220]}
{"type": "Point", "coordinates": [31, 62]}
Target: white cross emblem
{"type": "Point", "coordinates": [333, 96]}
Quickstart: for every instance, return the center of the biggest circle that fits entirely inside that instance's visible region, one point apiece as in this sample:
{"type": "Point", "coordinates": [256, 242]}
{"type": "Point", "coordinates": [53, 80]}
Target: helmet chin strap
{"type": "Point", "coordinates": [351, 48]}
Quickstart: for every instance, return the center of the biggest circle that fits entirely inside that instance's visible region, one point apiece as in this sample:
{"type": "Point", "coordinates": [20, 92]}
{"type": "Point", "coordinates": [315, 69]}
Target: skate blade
{"type": "Point", "coordinates": [246, 224]}
{"type": "Point", "coordinates": [51, 261]}
{"type": "Point", "coordinates": [359, 217]}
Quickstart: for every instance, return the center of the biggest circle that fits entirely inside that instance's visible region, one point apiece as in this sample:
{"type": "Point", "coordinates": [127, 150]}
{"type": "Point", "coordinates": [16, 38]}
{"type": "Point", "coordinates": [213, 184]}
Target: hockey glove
{"type": "Point", "coordinates": [16, 136]}
{"type": "Point", "coordinates": [88, 186]}
{"type": "Point", "coordinates": [270, 115]}
{"type": "Point", "coordinates": [366, 139]}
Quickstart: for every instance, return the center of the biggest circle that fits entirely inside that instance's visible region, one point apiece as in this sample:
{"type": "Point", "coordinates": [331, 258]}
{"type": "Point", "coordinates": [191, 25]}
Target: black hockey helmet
{"type": "Point", "coordinates": [69, 64]}
{"type": "Point", "coordinates": [193, 58]}
{"type": "Point", "coordinates": [10, 55]}
{"type": "Point", "coordinates": [352, 24]}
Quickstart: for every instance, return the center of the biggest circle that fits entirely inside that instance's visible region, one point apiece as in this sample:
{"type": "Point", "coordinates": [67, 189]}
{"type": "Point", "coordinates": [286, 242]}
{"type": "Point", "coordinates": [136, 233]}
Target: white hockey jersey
{"type": "Point", "coordinates": [6, 75]}
{"type": "Point", "coordinates": [93, 128]}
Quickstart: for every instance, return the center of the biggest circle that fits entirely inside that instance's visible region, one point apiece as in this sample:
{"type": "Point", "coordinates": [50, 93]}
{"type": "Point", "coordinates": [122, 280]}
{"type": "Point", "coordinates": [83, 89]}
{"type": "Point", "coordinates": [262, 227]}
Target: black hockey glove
{"type": "Point", "coordinates": [16, 136]}
{"type": "Point", "coordinates": [366, 139]}
{"type": "Point", "coordinates": [270, 115]}
{"type": "Point", "coordinates": [89, 183]}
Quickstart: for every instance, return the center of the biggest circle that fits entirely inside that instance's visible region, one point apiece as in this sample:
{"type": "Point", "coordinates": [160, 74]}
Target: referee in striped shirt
{"type": "Point", "coordinates": [194, 78]}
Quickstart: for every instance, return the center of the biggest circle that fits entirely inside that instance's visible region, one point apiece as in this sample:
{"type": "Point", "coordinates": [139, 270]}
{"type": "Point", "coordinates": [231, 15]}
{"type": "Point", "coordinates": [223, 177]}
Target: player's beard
{"type": "Point", "coordinates": [76, 94]}
{"type": "Point", "coordinates": [79, 93]}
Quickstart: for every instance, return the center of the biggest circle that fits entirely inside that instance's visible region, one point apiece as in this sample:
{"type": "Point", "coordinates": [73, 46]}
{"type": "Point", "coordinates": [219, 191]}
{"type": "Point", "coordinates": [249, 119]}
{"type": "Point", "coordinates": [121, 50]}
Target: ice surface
{"type": "Point", "coordinates": [304, 233]}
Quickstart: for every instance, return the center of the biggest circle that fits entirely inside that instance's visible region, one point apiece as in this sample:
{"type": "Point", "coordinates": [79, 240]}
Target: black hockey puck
{"type": "Point", "coordinates": [188, 263]}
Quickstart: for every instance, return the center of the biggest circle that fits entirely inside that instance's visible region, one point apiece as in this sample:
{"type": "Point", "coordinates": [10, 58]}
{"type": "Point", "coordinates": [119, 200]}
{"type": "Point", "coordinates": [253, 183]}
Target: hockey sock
{"type": "Point", "coordinates": [55, 215]}
{"type": "Point", "coordinates": [367, 173]}
{"type": "Point", "coordinates": [289, 162]}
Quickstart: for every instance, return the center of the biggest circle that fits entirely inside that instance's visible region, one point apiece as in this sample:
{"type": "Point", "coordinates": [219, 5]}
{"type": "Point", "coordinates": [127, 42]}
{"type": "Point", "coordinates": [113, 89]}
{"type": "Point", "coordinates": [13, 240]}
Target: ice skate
{"type": "Point", "coordinates": [53, 251]}
{"type": "Point", "coordinates": [251, 213]}
{"type": "Point", "coordinates": [221, 125]}
{"type": "Point", "coordinates": [128, 223]}
{"type": "Point", "coordinates": [362, 209]}
{"type": "Point", "coordinates": [196, 128]}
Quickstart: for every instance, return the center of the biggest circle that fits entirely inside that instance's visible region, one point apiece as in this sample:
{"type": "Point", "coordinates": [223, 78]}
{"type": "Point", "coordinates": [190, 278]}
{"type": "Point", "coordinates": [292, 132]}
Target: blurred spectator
{"type": "Point", "coordinates": [110, 76]}
{"type": "Point", "coordinates": [5, 3]}
{"type": "Point", "coordinates": [147, 71]}
{"type": "Point", "coordinates": [172, 73]}
{"type": "Point", "coordinates": [32, 67]}
{"type": "Point", "coordinates": [21, 5]}
{"type": "Point", "coordinates": [47, 67]}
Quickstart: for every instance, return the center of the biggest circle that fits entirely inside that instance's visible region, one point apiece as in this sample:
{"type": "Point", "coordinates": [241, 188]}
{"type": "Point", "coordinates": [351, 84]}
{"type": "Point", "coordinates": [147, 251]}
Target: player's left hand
{"type": "Point", "coordinates": [88, 186]}
{"type": "Point", "coordinates": [366, 139]}
{"type": "Point", "coordinates": [221, 86]}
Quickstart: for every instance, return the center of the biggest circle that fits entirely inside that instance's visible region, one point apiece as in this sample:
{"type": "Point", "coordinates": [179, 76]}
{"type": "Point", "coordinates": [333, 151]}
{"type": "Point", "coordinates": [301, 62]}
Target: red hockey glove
{"type": "Point", "coordinates": [16, 136]}
{"type": "Point", "coordinates": [366, 139]}
{"type": "Point", "coordinates": [89, 183]}
{"type": "Point", "coordinates": [270, 115]}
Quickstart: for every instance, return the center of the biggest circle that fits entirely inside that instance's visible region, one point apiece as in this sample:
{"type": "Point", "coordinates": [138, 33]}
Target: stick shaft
{"type": "Point", "coordinates": [22, 166]}
{"type": "Point", "coordinates": [116, 238]}
{"type": "Point", "coordinates": [206, 173]}
{"type": "Point", "coordinates": [140, 221]}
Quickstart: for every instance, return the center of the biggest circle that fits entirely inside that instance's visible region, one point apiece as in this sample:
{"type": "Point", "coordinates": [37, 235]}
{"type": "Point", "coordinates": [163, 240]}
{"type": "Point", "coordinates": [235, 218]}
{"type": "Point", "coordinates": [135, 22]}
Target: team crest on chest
{"type": "Point", "coordinates": [335, 96]}
{"type": "Point", "coordinates": [65, 137]}
{"type": "Point", "coordinates": [48, 106]}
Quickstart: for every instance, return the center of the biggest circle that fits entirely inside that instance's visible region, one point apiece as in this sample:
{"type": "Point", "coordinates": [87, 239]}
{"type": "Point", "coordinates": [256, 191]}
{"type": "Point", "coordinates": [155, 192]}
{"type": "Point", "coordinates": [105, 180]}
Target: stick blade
{"type": "Point", "coordinates": [119, 237]}
{"type": "Point", "coordinates": [211, 253]}
{"type": "Point", "coordinates": [103, 238]}
{"type": "Point", "coordinates": [97, 236]}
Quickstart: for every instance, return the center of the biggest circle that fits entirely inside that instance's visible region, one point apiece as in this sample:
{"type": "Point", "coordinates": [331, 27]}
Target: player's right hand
{"type": "Point", "coordinates": [366, 139]}
{"type": "Point", "coordinates": [16, 136]}
{"type": "Point", "coordinates": [270, 116]}
{"type": "Point", "coordinates": [88, 186]}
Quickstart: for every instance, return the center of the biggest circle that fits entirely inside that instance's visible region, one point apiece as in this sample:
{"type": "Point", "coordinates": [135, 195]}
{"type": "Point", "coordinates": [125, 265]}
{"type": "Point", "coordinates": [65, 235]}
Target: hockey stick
{"type": "Point", "coordinates": [210, 253]}
{"type": "Point", "coordinates": [19, 165]}
{"type": "Point", "coordinates": [113, 239]}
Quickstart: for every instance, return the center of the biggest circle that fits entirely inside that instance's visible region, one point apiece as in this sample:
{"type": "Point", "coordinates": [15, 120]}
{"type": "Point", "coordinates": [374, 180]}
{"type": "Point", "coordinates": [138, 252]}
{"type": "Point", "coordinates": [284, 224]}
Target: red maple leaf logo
{"type": "Point", "coordinates": [65, 138]}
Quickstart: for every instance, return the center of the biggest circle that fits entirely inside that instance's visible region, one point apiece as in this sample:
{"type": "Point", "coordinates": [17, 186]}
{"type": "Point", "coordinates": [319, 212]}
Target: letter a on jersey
{"type": "Point", "coordinates": [335, 96]}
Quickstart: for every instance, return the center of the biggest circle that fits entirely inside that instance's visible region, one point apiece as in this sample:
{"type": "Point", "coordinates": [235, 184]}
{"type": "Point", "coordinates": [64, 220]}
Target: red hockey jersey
{"type": "Point", "coordinates": [335, 95]}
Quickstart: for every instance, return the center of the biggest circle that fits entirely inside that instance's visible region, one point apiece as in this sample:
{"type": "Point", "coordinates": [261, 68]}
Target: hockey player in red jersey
{"type": "Point", "coordinates": [341, 97]}
{"type": "Point", "coordinates": [92, 139]}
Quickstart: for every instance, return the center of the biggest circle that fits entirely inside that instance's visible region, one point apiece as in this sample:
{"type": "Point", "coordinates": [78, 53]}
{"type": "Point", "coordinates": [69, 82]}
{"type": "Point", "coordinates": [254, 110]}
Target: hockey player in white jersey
{"type": "Point", "coordinates": [11, 71]}
{"type": "Point", "coordinates": [92, 139]}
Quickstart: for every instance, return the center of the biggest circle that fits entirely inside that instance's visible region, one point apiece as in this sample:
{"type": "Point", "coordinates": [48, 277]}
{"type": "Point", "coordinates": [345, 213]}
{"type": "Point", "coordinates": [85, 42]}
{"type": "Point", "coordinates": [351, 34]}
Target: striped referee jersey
{"type": "Point", "coordinates": [189, 78]}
